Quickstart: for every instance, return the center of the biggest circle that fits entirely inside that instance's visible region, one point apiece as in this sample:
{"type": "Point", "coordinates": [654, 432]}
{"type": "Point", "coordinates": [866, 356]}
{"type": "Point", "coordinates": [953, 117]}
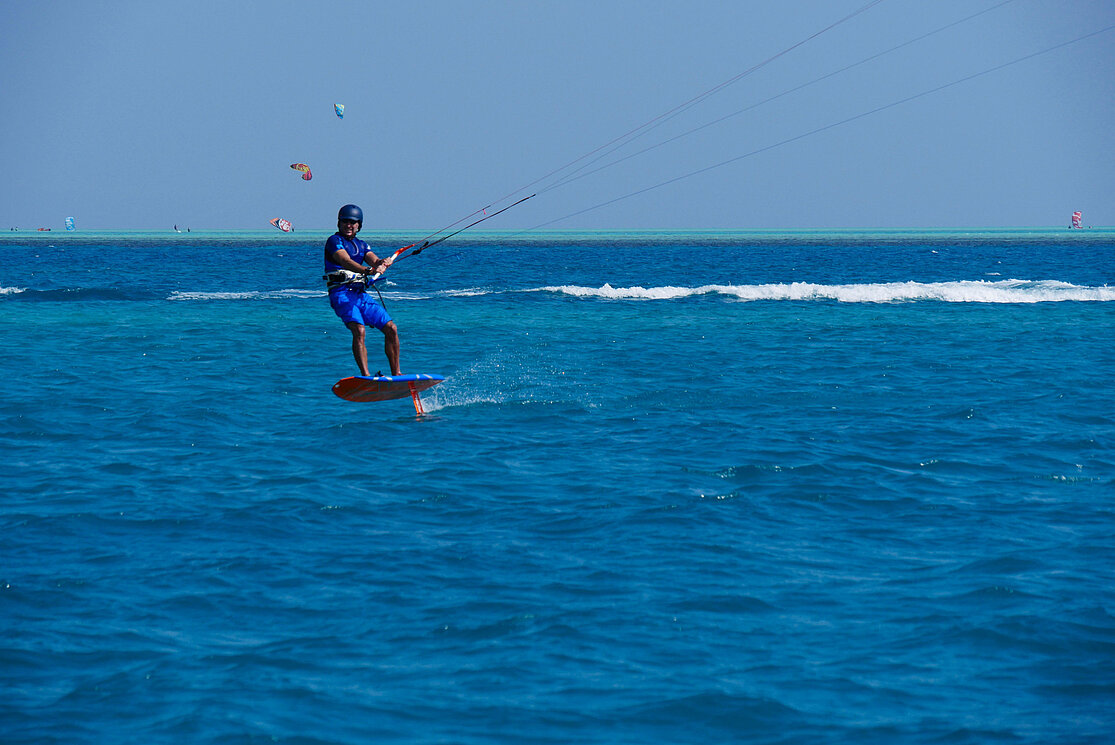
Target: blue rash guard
{"type": "Point", "coordinates": [349, 301]}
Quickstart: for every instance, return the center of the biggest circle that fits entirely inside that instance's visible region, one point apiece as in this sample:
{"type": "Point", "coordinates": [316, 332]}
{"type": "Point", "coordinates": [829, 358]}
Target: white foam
{"type": "Point", "coordinates": [467, 292]}
{"type": "Point", "coordinates": [1003, 291]}
{"type": "Point", "coordinates": [252, 295]}
{"type": "Point", "coordinates": [11, 290]}
{"type": "Point", "coordinates": [966, 291]}
{"type": "Point", "coordinates": [405, 296]}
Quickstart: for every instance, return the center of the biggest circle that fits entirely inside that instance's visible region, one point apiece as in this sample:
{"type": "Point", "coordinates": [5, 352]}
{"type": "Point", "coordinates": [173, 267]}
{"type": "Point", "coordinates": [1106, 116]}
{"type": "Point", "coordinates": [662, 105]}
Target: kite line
{"type": "Point", "coordinates": [827, 127]}
{"type": "Point", "coordinates": [633, 134]}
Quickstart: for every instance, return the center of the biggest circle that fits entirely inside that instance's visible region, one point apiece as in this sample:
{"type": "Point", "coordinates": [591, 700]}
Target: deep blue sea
{"type": "Point", "coordinates": [762, 487]}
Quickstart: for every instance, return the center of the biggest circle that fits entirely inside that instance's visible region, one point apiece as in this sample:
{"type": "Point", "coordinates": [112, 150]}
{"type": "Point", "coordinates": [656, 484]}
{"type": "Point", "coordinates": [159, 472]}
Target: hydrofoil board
{"type": "Point", "coordinates": [361, 388]}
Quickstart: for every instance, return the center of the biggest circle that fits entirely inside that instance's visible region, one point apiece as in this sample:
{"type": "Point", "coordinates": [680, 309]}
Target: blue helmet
{"type": "Point", "coordinates": [351, 212]}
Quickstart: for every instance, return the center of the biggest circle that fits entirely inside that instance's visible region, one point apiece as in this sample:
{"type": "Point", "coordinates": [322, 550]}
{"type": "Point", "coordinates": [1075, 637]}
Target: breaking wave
{"type": "Point", "coordinates": [1004, 291]}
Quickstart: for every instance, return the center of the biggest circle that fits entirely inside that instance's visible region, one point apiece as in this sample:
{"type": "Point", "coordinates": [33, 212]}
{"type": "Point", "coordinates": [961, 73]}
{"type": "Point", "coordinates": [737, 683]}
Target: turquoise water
{"type": "Point", "coordinates": [773, 487]}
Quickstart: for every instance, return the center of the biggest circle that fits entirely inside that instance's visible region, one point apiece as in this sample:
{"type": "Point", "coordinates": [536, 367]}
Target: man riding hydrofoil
{"type": "Point", "coordinates": [346, 274]}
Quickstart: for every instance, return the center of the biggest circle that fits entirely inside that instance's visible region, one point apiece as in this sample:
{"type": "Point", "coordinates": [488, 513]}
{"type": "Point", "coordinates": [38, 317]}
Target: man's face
{"type": "Point", "coordinates": [347, 228]}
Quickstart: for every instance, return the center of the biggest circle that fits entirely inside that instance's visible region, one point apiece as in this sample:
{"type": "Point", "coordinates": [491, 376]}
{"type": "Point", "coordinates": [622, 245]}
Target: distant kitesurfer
{"type": "Point", "coordinates": [346, 273]}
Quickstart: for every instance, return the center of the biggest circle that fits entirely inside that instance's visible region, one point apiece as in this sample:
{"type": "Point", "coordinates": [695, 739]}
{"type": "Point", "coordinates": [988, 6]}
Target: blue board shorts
{"type": "Point", "coordinates": [356, 307]}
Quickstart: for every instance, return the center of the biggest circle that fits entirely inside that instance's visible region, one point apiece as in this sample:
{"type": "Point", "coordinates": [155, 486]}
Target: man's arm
{"type": "Point", "coordinates": [340, 257]}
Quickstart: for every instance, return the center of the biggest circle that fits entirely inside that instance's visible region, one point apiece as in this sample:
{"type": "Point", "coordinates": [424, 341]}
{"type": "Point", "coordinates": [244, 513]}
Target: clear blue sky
{"type": "Point", "coordinates": [139, 114]}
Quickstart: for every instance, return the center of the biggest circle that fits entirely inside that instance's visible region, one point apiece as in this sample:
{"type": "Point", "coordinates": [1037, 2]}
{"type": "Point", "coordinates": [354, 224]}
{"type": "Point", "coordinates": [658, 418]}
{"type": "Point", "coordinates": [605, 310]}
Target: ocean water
{"type": "Point", "coordinates": [797, 487]}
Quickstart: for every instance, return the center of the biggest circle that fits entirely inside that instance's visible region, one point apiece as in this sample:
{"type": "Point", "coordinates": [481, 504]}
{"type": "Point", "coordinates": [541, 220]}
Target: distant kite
{"type": "Point", "coordinates": [69, 223]}
{"type": "Point", "coordinates": [283, 225]}
{"type": "Point", "coordinates": [305, 169]}
{"type": "Point", "coordinates": [340, 109]}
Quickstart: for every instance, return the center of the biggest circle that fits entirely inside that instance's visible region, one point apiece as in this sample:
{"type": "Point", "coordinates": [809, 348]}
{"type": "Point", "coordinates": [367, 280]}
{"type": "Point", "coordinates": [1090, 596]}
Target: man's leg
{"type": "Point", "coordinates": [359, 351]}
{"type": "Point", "coordinates": [391, 346]}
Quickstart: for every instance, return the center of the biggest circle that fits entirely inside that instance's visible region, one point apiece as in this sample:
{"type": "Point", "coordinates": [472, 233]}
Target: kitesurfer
{"type": "Point", "coordinates": [348, 262]}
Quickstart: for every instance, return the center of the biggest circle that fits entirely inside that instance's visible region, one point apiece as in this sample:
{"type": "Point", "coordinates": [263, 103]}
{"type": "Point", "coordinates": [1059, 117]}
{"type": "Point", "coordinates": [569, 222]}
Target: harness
{"type": "Point", "coordinates": [342, 277]}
